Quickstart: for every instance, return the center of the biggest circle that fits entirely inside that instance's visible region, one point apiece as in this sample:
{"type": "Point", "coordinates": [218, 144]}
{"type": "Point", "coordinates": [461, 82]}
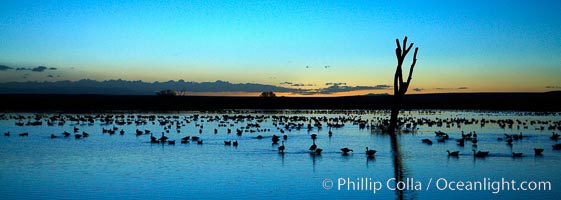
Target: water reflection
{"type": "Point", "coordinates": [400, 170]}
{"type": "Point", "coordinates": [369, 159]}
{"type": "Point", "coordinates": [281, 154]}
{"type": "Point", "coordinates": [454, 158]}
{"type": "Point", "coordinates": [346, 157]}
{"type": "Point", "coordinates": [139, 167]}
{"type": "Point", "coordinates": [313, 156]}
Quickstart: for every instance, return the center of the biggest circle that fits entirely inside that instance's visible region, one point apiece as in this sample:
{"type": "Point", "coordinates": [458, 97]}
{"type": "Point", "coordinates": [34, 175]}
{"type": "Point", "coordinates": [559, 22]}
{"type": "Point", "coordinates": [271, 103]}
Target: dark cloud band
{"type": "Point", "coordinates": [147, 88]}
{"type": "Point", "coordinates": [33, 69]}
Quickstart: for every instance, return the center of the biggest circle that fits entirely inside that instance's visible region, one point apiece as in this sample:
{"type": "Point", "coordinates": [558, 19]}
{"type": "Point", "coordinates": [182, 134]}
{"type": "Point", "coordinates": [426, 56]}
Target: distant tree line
{"type": "Point", "coordinates": [268, 94]}
{"type": "Point", "coordinates": [166, 93]}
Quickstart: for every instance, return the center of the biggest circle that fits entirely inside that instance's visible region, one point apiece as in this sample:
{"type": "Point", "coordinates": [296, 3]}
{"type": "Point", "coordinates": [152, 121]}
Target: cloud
{"type": "Point", "coordinates": [4, 68]}
{"type": "Point", "coordinates": [50, 76]}
{"type": "Point", "coordinates": [124, 87]}
{"type": "Point", "coordinates": [458, 88]}
{"type": "Point", "coordinates": [42, 68]}
{"type": "Point", "coordinates": [553, 87]}
{"type": "Point", "coordinates": [297, 84]}
{"type": "Point", "coordinates": [39, 69]}
{"type": "Point", "coordinates": [418, 89]}
{"type": "Point", "coordinates": [35, 69]}
{"type": "Point", "coordinates": [336, 84]}
{"type": "Point", "coordinates": [302, 85]}
{"type": "Point", "coordinates": [377, 94]}
{"type": "Point", "coordinates": [337, 88]}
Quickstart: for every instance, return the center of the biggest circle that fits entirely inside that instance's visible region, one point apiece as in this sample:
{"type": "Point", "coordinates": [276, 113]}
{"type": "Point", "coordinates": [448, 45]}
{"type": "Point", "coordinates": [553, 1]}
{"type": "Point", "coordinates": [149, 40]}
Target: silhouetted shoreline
{"type": "Point", "coordinates": [549, 101]}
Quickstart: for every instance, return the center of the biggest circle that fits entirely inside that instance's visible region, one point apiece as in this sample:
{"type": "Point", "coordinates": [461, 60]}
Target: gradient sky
{"type": "Point", "coordinates": [465, 46]}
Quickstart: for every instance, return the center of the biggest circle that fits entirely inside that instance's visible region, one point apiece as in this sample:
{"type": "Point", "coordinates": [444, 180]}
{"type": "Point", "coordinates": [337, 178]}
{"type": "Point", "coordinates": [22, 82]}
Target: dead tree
{"type": "Point", "coordinates": [399, 86]}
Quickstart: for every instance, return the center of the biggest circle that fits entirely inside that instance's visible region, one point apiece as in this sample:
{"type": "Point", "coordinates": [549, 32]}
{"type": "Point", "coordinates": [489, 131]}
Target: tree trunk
{"type": "Point", "coordinates": [394, 114]}
{"type": "Point", "coordinates": [400, 87]}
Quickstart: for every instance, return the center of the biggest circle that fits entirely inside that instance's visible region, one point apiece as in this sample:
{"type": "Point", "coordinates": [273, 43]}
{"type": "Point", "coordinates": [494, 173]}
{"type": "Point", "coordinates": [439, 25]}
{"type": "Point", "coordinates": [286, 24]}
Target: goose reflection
{"type": "Point", "coordinates": [314, 156]}
{"type": "Point", "coordinates": [282, 158]}
{"type": "Point", "coordinates": [370, 159]}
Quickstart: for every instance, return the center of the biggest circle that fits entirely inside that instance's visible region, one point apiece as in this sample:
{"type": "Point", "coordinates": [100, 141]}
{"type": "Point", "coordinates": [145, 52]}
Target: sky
{"type": "Point", "coordinates": [464, 46]}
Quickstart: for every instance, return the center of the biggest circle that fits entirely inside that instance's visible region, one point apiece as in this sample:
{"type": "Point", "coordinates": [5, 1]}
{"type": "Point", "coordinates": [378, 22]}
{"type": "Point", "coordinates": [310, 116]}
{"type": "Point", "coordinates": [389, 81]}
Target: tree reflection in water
{"type": "Point", "coordinates": [400, 170]}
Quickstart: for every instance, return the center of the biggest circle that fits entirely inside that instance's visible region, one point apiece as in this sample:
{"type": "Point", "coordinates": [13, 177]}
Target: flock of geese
{"type": "Point", "coordinates": [246, 123]}
{"type": "Point", "coordinates": [314, 150]}
{"type": "Point", "coordinates": [472, 136]}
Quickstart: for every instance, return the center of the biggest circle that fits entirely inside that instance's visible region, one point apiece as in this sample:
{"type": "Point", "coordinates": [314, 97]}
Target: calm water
{"type": "Point", "coordinates": [104, 166]}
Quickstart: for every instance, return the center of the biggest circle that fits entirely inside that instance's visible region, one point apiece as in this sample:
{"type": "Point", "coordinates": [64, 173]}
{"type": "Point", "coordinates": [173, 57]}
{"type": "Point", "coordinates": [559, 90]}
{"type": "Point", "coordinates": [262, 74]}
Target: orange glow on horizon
{"type": "Point", "coordinates": [364, 92]}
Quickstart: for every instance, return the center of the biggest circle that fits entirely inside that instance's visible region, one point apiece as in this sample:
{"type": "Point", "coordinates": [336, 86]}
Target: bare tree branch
{"type": "Point", "coordinates": [404, 45]}
{"type": "Point", "coordinates": [408, 48]}
{"type": "Point", "coordinates": [400, 87]}
{"type": "Point", "coordinates": [412, 67]}
{"type": "Point", "coordinates": [398, 47]}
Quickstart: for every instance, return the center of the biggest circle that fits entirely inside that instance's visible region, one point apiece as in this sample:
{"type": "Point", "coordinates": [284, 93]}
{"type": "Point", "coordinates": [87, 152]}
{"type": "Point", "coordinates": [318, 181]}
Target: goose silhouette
{"type": "Point", "coordinates": [346, 150]}
{"type": "Point", "coordinates": [313, 147]}
{"type": "Point", "coordinates": [480, 154]}
{"type": "Point", "coordinates": [538, 152]}
{"type": "Point", "coordinates": [453, 153]}
{"type": "Point", "coordinates": [281, 148]}
{"type": "Point", "coordinates": [370, 152]}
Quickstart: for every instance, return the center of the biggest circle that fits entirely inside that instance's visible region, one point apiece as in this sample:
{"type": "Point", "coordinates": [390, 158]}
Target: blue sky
{"type": "Point", "coordinates": [473, 45]}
